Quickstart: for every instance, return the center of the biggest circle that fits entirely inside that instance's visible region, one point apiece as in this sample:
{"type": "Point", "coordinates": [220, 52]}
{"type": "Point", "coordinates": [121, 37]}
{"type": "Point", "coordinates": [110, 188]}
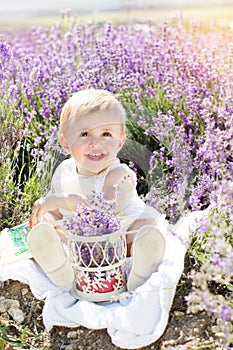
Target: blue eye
{"type": "Point", "coordinates": [107, 134]}
{"type": "Point", "coordinates": [84, 134]}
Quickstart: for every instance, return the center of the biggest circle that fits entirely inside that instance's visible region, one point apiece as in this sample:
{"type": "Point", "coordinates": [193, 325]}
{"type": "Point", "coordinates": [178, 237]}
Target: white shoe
{"type": "Point", "coordinates": [46, 248]}
{"type": "Point", "coordinates": [147, 250]}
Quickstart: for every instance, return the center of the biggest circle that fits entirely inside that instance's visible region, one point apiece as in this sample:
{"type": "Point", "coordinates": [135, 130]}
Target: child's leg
{"type": "Point", "coordinates": [46, 248]}
{"type": "Point", "coordinates": [147, 247]}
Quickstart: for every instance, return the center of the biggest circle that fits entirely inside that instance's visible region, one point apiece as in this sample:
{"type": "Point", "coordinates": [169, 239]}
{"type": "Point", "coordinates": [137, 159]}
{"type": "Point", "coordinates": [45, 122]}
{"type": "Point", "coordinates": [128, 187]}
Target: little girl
{"type": "Point", "coordinates": [92, 131]}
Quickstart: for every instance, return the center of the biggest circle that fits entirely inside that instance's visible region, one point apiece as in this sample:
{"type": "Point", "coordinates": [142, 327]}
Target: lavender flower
{"type": "Point", "coordinates": [96, 220]}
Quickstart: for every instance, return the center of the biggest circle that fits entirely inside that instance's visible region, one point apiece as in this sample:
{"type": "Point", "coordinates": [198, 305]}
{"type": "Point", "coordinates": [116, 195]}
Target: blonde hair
{"type": "Point", "coordinates": [89, 101]}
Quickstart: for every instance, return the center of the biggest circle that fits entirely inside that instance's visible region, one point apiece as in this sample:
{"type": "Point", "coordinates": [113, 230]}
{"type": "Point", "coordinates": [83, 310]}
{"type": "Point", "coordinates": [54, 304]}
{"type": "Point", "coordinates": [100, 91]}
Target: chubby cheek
{"type": "Point", "coordinates": [112, 144]}
{"type": "Point", "coordinates": [77, 149]}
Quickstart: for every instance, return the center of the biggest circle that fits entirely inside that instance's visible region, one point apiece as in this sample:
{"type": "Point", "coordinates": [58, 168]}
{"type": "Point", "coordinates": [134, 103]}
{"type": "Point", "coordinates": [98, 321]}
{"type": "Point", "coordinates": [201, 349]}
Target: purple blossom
{"type": "Point", "coordinates": [96, 220]}
{"type": "Point", "coordinates": [226, 313]}
{"type": "Point", "coordinates": [5, 50]}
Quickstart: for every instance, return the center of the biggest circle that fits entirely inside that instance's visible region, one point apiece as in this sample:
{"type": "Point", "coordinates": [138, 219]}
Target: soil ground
{"type": "Point", "coordinates": [183, 331]}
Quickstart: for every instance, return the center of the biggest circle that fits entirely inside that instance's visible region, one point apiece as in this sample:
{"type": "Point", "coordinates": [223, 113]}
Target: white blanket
{"type": "Point", "coordinates": [133, 322]}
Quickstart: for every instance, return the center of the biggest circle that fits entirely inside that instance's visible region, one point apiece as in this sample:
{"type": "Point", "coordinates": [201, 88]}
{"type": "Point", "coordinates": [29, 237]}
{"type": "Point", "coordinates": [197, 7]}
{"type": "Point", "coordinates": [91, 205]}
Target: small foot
{"type": "Point", "coordinates": [147, 251]}
{"type": "Point", "coordinates": [46, 248]}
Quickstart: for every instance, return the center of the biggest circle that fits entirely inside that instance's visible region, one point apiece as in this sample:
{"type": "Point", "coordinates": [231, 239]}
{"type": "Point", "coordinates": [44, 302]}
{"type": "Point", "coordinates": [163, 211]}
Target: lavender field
{"type": "Point", "coordinates": [176, 83]}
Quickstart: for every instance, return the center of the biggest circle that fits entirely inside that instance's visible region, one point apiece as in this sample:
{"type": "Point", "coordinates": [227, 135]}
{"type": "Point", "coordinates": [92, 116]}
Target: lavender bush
{"type": "Point", "coordinates": [176, 85]}
{"type": "Point", "coordinates": [216, 268]}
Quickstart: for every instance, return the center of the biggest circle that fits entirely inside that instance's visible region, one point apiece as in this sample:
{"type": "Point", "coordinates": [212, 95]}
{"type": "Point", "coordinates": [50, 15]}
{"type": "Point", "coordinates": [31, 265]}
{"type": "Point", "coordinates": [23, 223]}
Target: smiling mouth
{"type": "Point", "coordinates": [95, 156]}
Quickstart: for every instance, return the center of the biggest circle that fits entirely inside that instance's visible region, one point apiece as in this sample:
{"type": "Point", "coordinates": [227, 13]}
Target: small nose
{"type": "Point", "coordinates": [94, 142]}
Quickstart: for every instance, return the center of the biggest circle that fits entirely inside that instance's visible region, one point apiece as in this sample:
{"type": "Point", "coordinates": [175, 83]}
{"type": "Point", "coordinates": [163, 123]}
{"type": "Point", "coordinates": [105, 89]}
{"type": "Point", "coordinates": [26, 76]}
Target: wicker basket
{"type": "Point", "coordinates": [99, 265]}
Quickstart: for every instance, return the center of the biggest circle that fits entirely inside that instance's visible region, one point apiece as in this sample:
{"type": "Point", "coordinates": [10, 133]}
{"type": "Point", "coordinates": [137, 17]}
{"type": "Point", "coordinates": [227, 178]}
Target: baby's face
{"type": "Point", "coordinates": [94, 141]}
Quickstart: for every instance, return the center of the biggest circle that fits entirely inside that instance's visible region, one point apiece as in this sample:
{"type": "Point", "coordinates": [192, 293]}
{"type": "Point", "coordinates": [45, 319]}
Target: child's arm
{"type": "Point", "coordinates": [118, 185]}
{"type": "Point", "coordinates": [56, 213]}
{"type": "Point", "coordinates": [51, 203]}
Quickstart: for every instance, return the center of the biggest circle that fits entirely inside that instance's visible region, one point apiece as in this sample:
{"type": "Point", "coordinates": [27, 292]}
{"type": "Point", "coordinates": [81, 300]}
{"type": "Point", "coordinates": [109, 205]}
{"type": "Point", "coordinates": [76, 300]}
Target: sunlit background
{"type": "Point", "coordinates": [16, 14]}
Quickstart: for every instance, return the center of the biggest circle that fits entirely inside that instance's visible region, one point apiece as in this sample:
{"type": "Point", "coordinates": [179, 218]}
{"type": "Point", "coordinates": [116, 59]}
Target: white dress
{"type": "Point", "coordinates": [67, 180]}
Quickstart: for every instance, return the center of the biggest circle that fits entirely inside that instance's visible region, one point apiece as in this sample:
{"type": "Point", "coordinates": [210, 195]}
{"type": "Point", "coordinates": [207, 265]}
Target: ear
{"type": "Point", "coordinates": [64, 143]}
{"type": "Point", "coordinates": [122, 141]}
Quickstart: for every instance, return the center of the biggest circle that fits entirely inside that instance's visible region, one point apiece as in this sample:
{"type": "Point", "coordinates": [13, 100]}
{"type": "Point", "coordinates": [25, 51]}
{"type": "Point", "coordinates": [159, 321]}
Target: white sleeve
{"type": "Point", "coordinates": [59, 174]}
{"type": "Point", "coordinates": [56, 179]}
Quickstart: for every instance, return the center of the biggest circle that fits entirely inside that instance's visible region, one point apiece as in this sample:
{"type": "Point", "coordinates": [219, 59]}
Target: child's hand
{"type": "Point", "coordinates": [53, 202]}
{"type": "Point", "coordinates": [40, 208]}
{"type": "Point", "coordinates": [118, 185]}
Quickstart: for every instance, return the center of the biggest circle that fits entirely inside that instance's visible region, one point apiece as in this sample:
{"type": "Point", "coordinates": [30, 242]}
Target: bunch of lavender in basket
{"type": "Point", "coordinates": [96, 219]}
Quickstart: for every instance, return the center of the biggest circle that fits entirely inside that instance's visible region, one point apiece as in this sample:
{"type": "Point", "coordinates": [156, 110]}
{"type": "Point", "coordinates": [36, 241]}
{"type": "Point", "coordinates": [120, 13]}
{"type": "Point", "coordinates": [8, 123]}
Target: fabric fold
{"type": "Point", "coordinates": [136, 320]}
